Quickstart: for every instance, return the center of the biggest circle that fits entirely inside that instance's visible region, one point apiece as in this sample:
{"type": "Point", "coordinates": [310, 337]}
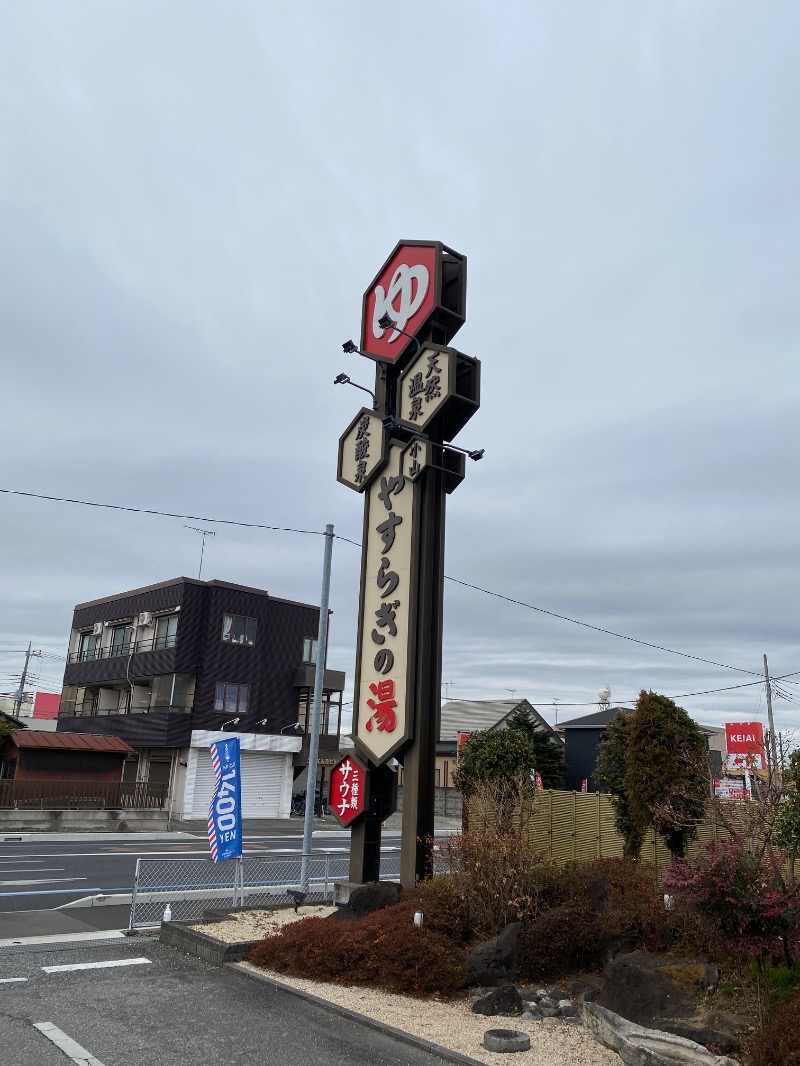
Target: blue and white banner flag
{"type": "Point", "coordinates": [225, 812]}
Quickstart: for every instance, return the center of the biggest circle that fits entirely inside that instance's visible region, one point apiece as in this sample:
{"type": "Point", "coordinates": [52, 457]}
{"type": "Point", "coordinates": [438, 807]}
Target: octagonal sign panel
{"type": "Point", "coordinates": [362, 450]}
{"type": "Point", "coordinates": [347, 791]}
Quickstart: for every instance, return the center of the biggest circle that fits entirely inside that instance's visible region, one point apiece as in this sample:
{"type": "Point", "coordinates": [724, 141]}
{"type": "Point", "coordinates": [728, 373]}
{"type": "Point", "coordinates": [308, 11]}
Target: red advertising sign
{"type": "Point", "coordinates": [744, 738]}
{"type": "Point", "coordinates": [347, 788]}
{"type": "Point", "coordinates": [405, 290]}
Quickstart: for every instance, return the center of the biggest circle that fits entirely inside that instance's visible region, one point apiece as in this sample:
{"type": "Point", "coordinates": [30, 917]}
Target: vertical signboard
{"type": "Point", "coordinates": [225, 812]}
{"type": "Point", "coordinates": [348, 789]}
{"type": "Point", "coordinates": [381, 713]}
{"type": "Point", "coordinates": [399, 458]}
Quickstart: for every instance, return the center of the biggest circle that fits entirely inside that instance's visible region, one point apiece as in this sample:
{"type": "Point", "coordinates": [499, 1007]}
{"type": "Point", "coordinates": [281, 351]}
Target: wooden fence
{"type": "Point", "coordinates": [81, 795]}
{"type": "Point", "coordinates": [578, 826]}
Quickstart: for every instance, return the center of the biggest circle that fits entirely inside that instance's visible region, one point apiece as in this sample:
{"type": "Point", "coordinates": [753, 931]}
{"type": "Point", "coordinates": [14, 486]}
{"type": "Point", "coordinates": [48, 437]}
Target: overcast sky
{"type": "Point", "coordinates": [195, 194]}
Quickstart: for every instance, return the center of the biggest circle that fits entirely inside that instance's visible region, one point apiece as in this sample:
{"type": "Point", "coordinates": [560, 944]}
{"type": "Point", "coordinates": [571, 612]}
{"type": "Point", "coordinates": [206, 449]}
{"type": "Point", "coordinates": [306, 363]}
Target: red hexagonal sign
{"type": "Point", "coordinates": [420, 282]}
{"type": "Point", "coordinates": [348, 784]}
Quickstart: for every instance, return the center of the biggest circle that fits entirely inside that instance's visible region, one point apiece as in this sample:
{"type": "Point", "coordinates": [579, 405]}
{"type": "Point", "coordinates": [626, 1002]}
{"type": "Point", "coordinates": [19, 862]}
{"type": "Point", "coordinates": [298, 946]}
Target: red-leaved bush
{"type": "Point", "coordinates": [749, 899]}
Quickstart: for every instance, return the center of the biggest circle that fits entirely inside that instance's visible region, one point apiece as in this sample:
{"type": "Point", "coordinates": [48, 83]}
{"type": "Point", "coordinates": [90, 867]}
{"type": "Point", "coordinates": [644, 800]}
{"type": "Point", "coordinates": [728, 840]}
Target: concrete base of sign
{"type": "Point", "coordinates": [342, 890]}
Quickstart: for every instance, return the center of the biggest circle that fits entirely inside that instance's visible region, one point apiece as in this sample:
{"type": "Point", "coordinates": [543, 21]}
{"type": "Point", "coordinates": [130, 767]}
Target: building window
{"type": "Point", "coordinates": [236, 629]}
{"type": "Point", "coordinates": [310, 646]}
{"type": "Point", "coordinates": [231, 699]}
{"type": "Point", "coordinates": [166, 631]}
{"type": "Point", "coordinates": [89, 647]}
{"type": "Point", "coordinates": [120, 640]}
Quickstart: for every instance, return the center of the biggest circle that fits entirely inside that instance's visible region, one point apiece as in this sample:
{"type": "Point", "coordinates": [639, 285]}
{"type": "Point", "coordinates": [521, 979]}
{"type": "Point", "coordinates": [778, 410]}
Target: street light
{"type": "Point", "coordinates": [343, 379]}
{"type": "Point", "coordinates": [386, 322]}
{"type": "Point", "coordinates": [390, 423]}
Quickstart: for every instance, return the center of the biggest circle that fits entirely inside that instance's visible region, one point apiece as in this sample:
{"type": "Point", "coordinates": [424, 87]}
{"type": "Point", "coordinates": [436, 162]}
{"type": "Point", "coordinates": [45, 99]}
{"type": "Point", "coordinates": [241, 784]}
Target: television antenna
{"type": "Point", "coordinates": [205, 533]}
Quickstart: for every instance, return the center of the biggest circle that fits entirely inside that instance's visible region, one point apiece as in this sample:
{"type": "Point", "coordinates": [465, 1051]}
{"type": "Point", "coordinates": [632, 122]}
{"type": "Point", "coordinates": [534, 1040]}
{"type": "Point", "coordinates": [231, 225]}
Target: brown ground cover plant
{"type": "Point", "coordinates": [385, 950]}
{"type": "Point", "coordinates": [778, 1043]}
{"type": "Point", "coordinates": [596, 908]}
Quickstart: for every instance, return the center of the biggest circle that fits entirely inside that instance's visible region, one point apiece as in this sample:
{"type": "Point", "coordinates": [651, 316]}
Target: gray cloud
{"type": "Point", "coordinates": [195, 195]}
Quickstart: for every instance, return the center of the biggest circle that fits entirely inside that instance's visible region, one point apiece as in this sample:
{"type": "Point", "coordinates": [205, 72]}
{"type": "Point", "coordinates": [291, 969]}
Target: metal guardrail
{"type": "Point", "coordinates": [81, 795]}
{"type": "Point", "coordinates": [192, 886]}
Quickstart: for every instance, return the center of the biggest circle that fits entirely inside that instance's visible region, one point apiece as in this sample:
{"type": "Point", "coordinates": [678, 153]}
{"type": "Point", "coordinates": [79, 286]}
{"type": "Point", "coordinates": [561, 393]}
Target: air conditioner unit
{"type": "Point", "coordinates": [146, 618]}
{"type": "Point", "coordinates": [97, 629]}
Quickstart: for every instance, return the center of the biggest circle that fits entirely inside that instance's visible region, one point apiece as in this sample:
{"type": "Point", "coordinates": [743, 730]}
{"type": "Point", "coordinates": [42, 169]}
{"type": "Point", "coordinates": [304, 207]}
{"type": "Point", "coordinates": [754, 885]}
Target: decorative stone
{"type": "Point", "coordinates": [506, 1040]}
{"type": "Point", "coordinates": [503, 1000]}
{"type": "Point", "coordinates": [368, 898]}
{"type": "Point", "coordinates": [549, 1012]}
{"type": "Point", "coordinates": [532, 1013]}
{"type": "Point", "coordinates": [644, 987]}
{"type": "Point", "coordinates": [529, 993]}
{"type": "Point", "coordinates": [547, 1002]}
{"type": "Point", "coordinates": [496, 961]}
{"type": "Point", "coordinates": [557, 993]}
{"type": "Point", "coordinates": [568, 1010]}
{"type": "Point", "coordinates": [638, 1046]}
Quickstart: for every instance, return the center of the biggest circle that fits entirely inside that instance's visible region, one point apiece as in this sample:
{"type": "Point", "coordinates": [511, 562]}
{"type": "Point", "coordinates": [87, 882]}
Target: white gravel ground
{"type": "Point", "coordinates": [451, 1025]}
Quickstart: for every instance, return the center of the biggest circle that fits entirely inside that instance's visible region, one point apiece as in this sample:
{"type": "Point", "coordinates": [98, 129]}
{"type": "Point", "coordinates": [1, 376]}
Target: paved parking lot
{"type": "Point", "coordinates": [145, 1004]}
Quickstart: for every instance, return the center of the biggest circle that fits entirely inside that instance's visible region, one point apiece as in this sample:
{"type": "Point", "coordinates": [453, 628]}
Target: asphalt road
{"type": "Point", "coordinates": [39, 875]}
{"type": "Point", "coordinates": [172, 1010]}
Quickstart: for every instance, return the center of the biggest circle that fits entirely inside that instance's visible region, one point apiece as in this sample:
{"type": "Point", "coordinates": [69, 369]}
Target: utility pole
{"type": "Point", "coordinates": [20, 693]}
{"type": "Point", "coordinates": [773, 748]}
{"type": "Point", "coordinates": [316, 710]}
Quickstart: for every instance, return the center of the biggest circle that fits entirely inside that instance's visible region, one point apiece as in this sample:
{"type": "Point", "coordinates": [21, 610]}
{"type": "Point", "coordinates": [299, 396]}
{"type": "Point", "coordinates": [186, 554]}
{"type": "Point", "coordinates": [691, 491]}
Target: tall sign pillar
{"type": "Point", "coordinates": [398, 456]}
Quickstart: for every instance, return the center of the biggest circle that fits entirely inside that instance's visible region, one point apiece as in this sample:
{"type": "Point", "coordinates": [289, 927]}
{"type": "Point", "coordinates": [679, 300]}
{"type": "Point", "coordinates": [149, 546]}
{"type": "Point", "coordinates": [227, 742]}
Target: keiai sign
{"type": "Point", "coordinates": [398, 455]}
{"type": "Point", "coordinates": [225, 812]}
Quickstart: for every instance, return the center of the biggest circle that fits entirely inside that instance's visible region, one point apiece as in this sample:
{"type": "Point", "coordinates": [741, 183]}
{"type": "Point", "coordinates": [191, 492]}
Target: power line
{"type": "Point", "coordinates": [454, 580]}
{"type": "Point", "coordinates": [167, 514]}
{"type": "Point", "coordinates": [597, 629]}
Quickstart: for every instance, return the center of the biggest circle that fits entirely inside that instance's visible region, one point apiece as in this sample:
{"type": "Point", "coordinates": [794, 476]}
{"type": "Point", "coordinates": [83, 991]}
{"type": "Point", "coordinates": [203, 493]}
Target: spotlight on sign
{"type": "Point", "coordinates": [344, 379]}
{"type": "Point", "coordinates": [387, 322]}
{"type": "Point", "coordinates": [350, 347]}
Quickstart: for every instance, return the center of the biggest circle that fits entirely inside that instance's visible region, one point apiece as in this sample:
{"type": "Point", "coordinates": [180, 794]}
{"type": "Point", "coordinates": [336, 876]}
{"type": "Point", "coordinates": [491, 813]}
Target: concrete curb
{"type": "Point", "coordinates": [361, 1019]}
{"type": "Point", "coordinates": [116, 899]}
{"type": "Point", "coordinates": [202, 946]}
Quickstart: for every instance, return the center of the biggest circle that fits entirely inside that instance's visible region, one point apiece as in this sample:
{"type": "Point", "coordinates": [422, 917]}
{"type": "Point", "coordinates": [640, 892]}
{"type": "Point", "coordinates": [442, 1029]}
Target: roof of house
{"type": "Point", "coordinates": [598, 720]}
{"type": "Point", "coordinates": [472, 716]}
{"type": "Point", "coordinates": [12, 718]}
{"type": "Point", "coordinates": [30, 738]}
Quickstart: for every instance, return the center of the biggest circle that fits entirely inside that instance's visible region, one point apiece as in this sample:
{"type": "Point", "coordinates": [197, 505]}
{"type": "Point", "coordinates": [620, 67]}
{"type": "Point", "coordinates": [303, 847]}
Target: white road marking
{"type": "Point", "coordinates": [38, 870]}
{"type": "Point", "coordinates": [44, 880]}
{"type": "Point", "coordinates": [96, 965]}
{"type": "Point", "coordinates": [11, 980]}
{"type": "Point", "coordinates": [66, 1044]}
{"type": "Point", "coordinates": [63, 938]}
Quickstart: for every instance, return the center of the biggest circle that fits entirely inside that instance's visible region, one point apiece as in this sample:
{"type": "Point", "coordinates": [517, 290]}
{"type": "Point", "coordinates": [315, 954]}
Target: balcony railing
{"type": "Point", "coordinates": [131, 647]}
{"type": "Point", "coordinates": [90, 710]}
{"type": "Point", "coordinates": [81, 795]}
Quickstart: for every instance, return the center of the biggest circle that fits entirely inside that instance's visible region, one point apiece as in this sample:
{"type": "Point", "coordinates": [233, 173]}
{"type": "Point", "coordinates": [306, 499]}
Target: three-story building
{"type": "Point", "coordinates": [173, 666]}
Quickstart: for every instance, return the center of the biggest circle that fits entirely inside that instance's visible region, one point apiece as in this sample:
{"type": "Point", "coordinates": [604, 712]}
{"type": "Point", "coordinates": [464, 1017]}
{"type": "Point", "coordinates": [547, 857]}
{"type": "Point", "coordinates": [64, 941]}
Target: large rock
{"type": "Point", "coordinates": [496, 961]}
{"type": "Point", "coordinates": [504, 1000]}
{"type": "Point", "coordinates": [667, 993]}
{"type": "Point", "coordinates": [644, 987]}
{"type": "Point", "coordinates": [368, 898]}
{"type": "Point", "coordinates": [639, 1046]}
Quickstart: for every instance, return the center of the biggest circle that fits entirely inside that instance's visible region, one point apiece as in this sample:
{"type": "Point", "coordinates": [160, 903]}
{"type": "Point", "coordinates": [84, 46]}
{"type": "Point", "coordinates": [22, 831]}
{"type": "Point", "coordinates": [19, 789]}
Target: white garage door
{"type": "Point", "coordinates": [262, 777]}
